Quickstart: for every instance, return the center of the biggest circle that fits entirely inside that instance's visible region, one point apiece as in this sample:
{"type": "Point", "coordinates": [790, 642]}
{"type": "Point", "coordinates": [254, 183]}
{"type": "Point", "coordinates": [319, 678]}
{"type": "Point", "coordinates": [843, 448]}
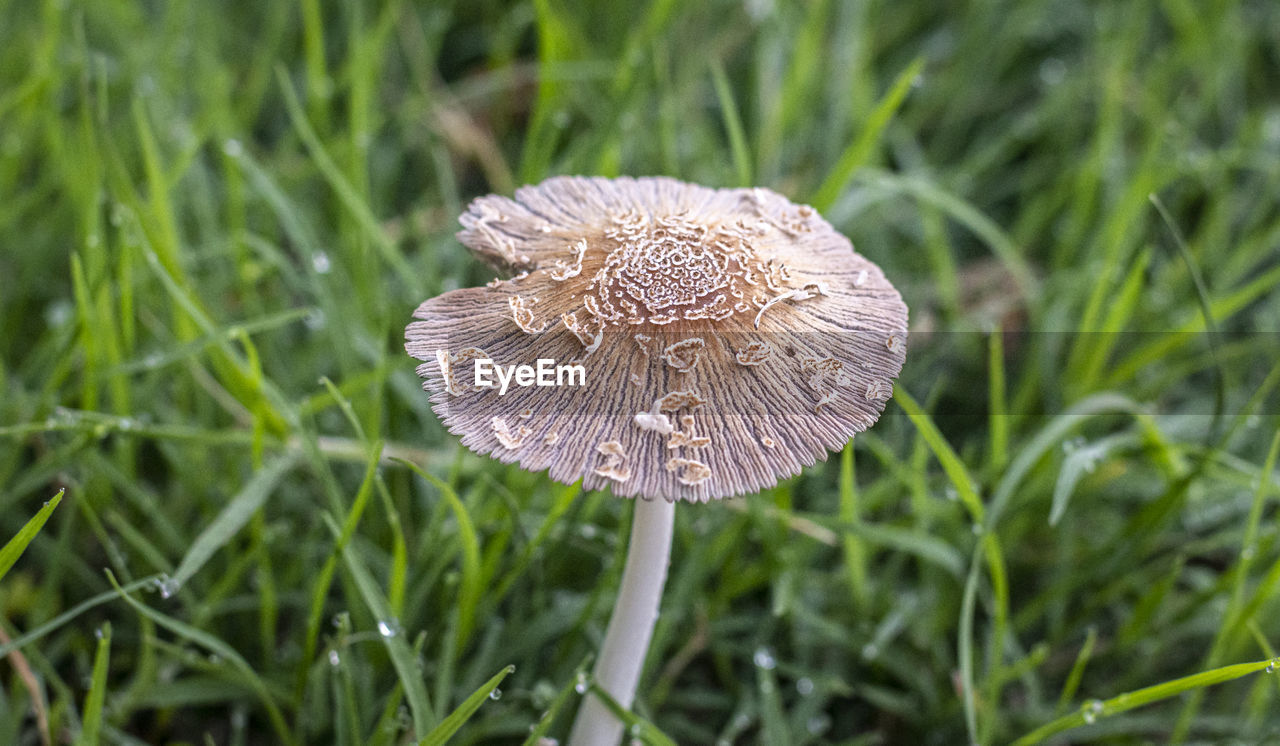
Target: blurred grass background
{"type": "Point", "coordinates": [215, 219]}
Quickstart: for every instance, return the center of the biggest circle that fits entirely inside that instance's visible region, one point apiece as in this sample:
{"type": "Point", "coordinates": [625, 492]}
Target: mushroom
{"type": "Point", "coordinates": [727, 338]}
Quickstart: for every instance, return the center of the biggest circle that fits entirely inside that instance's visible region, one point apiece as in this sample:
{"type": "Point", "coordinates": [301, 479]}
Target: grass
{"type": "Point", "coordinates": [215, 221]}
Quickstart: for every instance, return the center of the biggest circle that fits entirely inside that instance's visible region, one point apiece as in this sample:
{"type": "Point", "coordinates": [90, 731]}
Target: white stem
{"type": "Point", "coordinates": [617, 670]}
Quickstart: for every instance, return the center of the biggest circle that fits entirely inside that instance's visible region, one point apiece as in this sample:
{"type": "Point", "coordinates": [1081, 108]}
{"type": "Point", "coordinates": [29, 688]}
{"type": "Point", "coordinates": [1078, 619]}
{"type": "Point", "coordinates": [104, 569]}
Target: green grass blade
{"type": "Point", "coordinates": [732, 125]}
{"type": "Point", "coordinates": [1124, 702]}
{"type": "Point", "coordinates": [471, 590]}
{"type": "Point", "coordinates": [347, 194]}
{"type": "Point", "coordinates": [1051, 434]}
{"type": "Point", "coordinates": [963, 212]}
{"type": "Point", "coordinates": [455, 720]}
{"type": "Point", "coordinates": [998, 411]}
{"type": "Point", "coordinates": [228, 523]}
{"type": "Point", "coordinates": [320, 589]}
{"type": "Point", "coordinates": [92, 724]}
{"type": "Point", "coordinates": [855, 556]}
{"type": "Point", "coordinates": [402, 656]}
{"type": "Point", "coordinates": [571, 687]}
{"type": "Point", "coordinates": [860, 150]}
{"type": "Point", "coordinates": [60, 621]}
{"type": "Point", "coordinates": [964, 650]}
{"type": "Point", "coordinates": [636, 727]}
{"type": "Point", "coordinates": [214, 645]}
{"type": "Point", "coordinates": [951, 463]}
{"type": "Point", "coordinates": [1080, 462]}
{"type": "Point", "coordinates": [14, 548]}
{"type": "Point", "coordinates": [1072, 683]}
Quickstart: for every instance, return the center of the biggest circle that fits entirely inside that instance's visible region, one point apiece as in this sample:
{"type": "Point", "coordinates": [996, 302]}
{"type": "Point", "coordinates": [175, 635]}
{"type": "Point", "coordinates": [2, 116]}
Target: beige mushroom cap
{"type": "Point", "coordinates": [729, 337]}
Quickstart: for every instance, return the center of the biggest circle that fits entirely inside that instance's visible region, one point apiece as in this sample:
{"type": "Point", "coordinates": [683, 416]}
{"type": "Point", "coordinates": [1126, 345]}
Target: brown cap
{"type": "Point", "coordinates": [728, 337]}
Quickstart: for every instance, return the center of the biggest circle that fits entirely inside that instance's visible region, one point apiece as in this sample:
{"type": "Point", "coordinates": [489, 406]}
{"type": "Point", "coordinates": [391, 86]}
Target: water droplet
{"type": "Point", "coordinates": [1052, 71]}
{"type": "Point", "coordinates": [321, 264]}
{"type": "Point", "coordinates": [233, 148]}
{"type": "Point", "coordinates": [98, 633]}
{"type": "Point", "coordinates": [495, 695]}
{"type": "Point", "coordinates": [1247, 552]}
{"type": "Point", "coordinates": [588, 531]}
{"type": "Point", "coordinates": [817, 724]}
{"type": "Point", "coordinates": [388, 627]}
{"type": "Point", "coordinates": [1271, 667]}
{"type": "Point", "coordinates": [314, 320]}
{"type": "Point", "coordinates": [334, 658]}
{"type": "Point", "coordinates": [152, 361]}
{"type": "Point", "coordinates": [1091, 710]}
{"type": "Point", "coordinates": [764, 659]}
{"type": "Point", "coordinates": [635, 729]}
{"type": "Point", "coordinates": [582, 684]}
{"type": "Point", "coordinates": [168, 586]}
{"type": "Point", "coordinates": [58, 313]}
{"type": "Point", "coordinates": [870, 651]}
{"type": "Point", "coordinates": [804, 686]}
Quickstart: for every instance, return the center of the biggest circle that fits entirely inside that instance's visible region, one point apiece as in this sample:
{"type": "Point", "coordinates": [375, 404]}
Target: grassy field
{"type": "Point", "coordinates": [216, 218]}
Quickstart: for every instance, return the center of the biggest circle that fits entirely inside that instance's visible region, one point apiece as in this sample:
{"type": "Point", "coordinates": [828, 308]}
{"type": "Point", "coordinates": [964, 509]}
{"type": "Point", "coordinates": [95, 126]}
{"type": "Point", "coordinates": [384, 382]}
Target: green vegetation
{"type": "Point", "coordinates": [216, 218]}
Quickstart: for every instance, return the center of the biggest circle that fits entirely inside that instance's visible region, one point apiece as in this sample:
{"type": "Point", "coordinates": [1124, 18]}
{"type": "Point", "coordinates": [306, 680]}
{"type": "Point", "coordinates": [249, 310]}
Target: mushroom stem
{"type": "Point", "coordinates": [617, 669]}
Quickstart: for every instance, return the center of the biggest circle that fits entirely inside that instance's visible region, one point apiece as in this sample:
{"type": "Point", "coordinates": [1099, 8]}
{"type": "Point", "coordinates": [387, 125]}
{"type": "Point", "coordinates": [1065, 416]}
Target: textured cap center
{"type": "Point", "coordinates": [659, 270]}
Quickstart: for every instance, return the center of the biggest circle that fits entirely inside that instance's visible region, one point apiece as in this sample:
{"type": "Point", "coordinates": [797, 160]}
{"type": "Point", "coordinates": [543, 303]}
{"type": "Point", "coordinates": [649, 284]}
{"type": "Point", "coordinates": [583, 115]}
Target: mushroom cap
{"type": "Point", "coordinates": [728, 337]}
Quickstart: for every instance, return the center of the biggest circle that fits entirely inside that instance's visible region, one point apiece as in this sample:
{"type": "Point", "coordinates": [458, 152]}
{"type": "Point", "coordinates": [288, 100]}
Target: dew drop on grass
{"type": "Point", "coordinates": [1052, 71]}
{"type": "Point", "coordinates": [581, 685]}
{"type": "Point", "coordinates": [818, 724]}
{"type": "Point", "coordinates": [635, 729]}
{"type": "Point", "coordinates": [495, 695]}
{"type": "Point", "coordinates": [804, 686]}
{"type": "Point", "coordinates": [58, 313]}
{"type": "Point", "coordinates": [764, 659]}
{"type": "Point", "coordinates": [334, 658]}
{"type": "Point", "coordinates": [169, 587]}
{"type": "Point", "coordinates": [233, 148]}
{"type": "Point", "coordinates": [320, 263]}
{"type": "Point", "coordinates": [870, 651]}
{"type": "Point", "coordinates": [1271, 667]}
{"type": "Point", "coordinates": [1091, 710]}
{"type": "Point", "coordinates": [98, 633]}
{"type": "Point", "coordinates": [388, 627]}
{"type": "Point", "coordinates": [166, 585]}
